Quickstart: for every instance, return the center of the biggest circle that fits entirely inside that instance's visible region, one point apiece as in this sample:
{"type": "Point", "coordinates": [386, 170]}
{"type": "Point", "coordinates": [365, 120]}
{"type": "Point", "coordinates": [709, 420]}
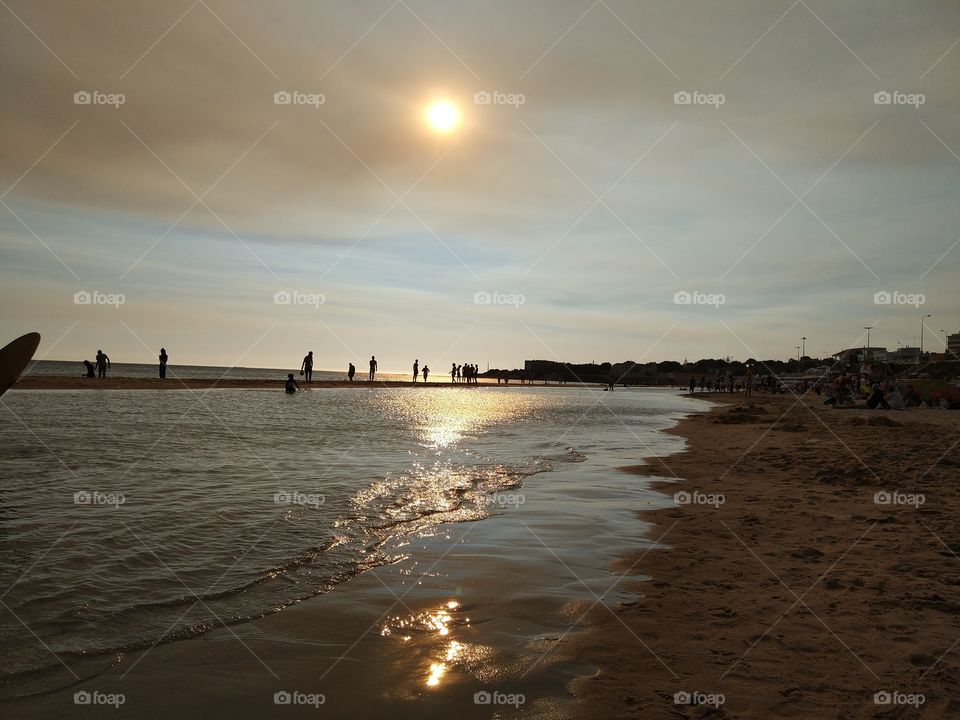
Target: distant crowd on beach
{"type": "Point", "coordinates": [463, 373]}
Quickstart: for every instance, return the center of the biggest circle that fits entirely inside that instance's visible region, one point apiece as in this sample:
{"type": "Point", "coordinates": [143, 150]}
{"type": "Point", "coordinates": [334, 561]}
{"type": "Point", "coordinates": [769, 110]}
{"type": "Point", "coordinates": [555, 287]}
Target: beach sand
{"type": "Point", "coordinates": [799, 596]}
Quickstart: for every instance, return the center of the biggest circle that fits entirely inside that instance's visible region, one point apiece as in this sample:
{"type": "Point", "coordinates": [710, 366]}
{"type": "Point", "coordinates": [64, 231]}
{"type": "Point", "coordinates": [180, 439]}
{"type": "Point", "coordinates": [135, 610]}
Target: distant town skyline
{"type": "Point", "coordinates": [241, 182]}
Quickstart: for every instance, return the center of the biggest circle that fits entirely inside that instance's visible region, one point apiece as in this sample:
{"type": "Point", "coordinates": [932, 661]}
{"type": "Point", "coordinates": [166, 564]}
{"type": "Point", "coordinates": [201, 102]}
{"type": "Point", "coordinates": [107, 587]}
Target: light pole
{"type": "Point", "coordinates": [803, 345]}
{"type": "Point", "coordinates": [798, 353]}
{"type": "Point", "coordinates": [922, 318]}
{"type": "Point", "coordinates": [868, 328]}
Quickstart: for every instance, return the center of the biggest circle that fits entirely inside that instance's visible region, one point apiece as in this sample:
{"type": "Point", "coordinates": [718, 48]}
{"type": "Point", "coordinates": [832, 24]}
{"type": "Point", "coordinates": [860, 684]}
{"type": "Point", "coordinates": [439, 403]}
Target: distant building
{"type": "Point", "coordinates": [905, 355]}
{"type": "Point", "coordinates": [870, 354]}
{"type": "Point", "coordinates": [953, 347]}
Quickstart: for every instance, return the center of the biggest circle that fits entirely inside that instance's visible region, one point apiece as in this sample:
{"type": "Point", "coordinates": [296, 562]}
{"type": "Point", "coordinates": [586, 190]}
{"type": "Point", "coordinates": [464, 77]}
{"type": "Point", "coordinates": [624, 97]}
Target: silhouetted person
{"type": "Point", "coordinates": [306, 367]}
{"type": "Point", "coordinates": [351, 371]}
{"type": "Point", "coordinates": [291, 386]}
{"type": "Point", "coordinates": [103, 362]}
{"type": "Point", "coordinates": [416, 369]}
{"type": "Point", "coordinates": [453, 372]}
{"type": "Point", "coordinates": [426, 372]}
{"type": "Point", "coordinates": [693, 385]}
{"type": "Point", "coordinates": [373, 367]}
{"type": "Point", "coordinates": [163, 362]}
{"type": "Point", "coordinates": [89, 366]}
{"type": "Point", "coordinates": [459, 373]}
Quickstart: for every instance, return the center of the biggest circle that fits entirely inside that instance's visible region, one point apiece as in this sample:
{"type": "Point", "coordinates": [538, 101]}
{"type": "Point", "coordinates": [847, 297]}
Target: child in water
{"type": "Point", "coordinates": [292, 385]}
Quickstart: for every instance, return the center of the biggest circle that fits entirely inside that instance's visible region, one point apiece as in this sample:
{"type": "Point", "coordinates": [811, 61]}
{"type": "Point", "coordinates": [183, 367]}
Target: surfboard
{"type": "Point", "coordinates": [14, 358]}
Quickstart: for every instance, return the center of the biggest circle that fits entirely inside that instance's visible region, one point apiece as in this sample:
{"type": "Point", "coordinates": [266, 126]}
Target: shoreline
{"type": "Point", "coordinates": [798, 595]}
{"type": "Point", "coordinates": [57, 382]}
{"type": "Point", "coordinates": [63, 382]}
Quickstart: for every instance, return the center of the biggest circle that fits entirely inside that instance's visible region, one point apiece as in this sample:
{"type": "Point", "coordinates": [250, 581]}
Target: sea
{"type": "Point", "coordinates": [131, 520]}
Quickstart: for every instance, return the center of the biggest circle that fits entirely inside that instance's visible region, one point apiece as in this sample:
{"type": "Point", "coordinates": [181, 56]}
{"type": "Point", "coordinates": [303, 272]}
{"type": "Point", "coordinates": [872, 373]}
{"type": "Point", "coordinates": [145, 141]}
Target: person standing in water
{"type": "Point", "coordinates": [416, 369]}
{"type": "Point", "coordinates": [291, 386]}
{"type": "Point", "coordinates": [306, 367]}
{"type": "Point", "coordinates": [351, 371]}
{"type": "Point", "coordinates": [373, 367]}
{"type": "Point", "coordinates": [163, 362]}
{"type": "Point", "coordinates": [103, 362]}
{"type": "Point", "coordinates": [426, 372]}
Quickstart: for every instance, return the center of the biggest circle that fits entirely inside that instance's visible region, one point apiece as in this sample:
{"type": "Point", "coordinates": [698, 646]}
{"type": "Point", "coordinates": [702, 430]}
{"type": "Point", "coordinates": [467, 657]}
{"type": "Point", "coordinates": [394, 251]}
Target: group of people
{"type": "Point", "coordinates": [464, 373]}
{"type": "Point", "coordinates": [102, 364]}
{"type": "Point", "coordinates": [723, 383]}
{"type": "Point", "coordinates": [886, 395]}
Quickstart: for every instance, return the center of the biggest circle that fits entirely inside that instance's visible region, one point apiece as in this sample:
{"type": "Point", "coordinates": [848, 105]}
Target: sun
{"type": "Point", "coordinates": [442, 116]}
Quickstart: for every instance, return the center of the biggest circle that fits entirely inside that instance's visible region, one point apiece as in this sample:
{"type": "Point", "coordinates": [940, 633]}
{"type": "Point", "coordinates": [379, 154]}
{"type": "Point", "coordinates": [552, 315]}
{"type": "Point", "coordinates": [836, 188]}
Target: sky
{"type": "Point", "coordinates": [626, 180]}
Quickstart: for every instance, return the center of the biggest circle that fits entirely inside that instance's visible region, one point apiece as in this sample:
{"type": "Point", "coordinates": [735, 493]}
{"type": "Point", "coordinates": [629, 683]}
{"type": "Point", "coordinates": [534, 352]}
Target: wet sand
{"type": "Point", "coordinates": [799, 596]}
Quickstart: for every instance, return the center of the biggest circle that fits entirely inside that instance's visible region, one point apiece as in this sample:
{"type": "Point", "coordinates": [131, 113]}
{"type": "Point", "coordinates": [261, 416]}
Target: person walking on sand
{"type": "Point", "coordinates": [103, 362]}
{"type": "Point", "coordinates": [693, 385]}
{"type": "Point", "coordinates": [426, 372]}
{"type": "Point", "coordinates": [306, 367]}
{"type": "Point", "coordinates": [416, 369]}
{"type": "Point", "coordinates": [748, 383]}
{"type": "Point", "coordinates": [373, 367]}
{"type": "Point", "coordinates": [453, 372]}
{"type": "Point", "coordinates": [163, 362]}
{"type": "Point", "coordinates": [291, 386]}
{"type": "Point", "coordinates": [351, 371]}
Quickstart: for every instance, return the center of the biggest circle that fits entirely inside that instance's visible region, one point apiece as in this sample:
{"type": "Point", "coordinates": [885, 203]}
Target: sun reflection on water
{"type": "Point", "coordinates": [438, 624]}
{"type": "Point", "coordinates": [443, 418]}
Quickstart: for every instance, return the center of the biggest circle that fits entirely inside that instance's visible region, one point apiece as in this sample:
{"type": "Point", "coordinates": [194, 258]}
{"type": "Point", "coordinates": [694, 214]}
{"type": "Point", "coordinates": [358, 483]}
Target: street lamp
{"type": "Point", "coordinates": [798, 353]}
{"type": "Point", "coordinates": [922, 318]}
{"type": "Point", "coordinates": [868, 328]}
{"type": "Point", "coordinates": [803, 345]}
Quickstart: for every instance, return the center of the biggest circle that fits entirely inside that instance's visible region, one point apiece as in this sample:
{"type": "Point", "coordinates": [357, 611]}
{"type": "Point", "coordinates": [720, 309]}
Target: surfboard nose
{"type": "Point", "coordinates": [14, 357]}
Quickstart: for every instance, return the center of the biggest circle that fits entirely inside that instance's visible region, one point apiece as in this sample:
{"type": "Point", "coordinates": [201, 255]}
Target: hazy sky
{"type": "Point", "coordinates": [784, 187]}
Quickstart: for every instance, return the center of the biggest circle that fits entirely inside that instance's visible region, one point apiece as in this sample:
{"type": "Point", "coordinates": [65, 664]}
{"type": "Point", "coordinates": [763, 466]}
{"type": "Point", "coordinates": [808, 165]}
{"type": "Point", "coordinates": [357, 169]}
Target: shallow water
{"type": "Point", "coordinates": [211, 508]}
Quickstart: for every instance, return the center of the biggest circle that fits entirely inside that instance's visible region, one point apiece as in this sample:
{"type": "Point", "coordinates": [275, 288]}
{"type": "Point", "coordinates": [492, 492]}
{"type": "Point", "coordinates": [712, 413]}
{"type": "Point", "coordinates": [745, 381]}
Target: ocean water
{"type": "Point", "coordinates": [135, 518]}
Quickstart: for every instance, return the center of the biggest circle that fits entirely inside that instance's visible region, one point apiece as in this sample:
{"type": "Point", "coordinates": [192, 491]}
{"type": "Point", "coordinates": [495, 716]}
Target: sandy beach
{"type": "Point", "coordinates": [800, 594]}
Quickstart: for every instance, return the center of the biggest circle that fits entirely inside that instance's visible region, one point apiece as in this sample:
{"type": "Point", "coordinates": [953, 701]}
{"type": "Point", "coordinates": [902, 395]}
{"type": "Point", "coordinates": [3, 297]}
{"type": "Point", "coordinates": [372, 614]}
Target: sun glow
{"type": "Point", "coordinates": [442, 116]}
